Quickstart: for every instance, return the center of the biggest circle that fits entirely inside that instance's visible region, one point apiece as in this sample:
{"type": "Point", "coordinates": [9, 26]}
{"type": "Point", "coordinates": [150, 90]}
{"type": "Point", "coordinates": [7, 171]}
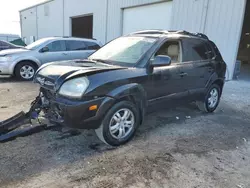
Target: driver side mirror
{"type": "Point", "coordinates": [44, 49]}
{"type": "Point", "coordinates": [161, 60]}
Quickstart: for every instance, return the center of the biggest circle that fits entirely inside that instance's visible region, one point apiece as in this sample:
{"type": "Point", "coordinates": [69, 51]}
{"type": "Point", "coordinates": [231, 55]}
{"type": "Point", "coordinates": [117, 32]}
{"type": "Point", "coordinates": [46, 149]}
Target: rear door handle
{"type": "Point", "coordinates": [183, 74]}
{"type": "Point", "coordinates": [64, 53]}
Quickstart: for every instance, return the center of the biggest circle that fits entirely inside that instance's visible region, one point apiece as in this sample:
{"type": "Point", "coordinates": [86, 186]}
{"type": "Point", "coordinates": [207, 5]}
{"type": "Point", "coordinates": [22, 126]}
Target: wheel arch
{"type": "Point", "coordinates": [214, 79]}
{"type": "Point", "coordinates": [134, 93]}
{"type": "Point", "coordinates": [25, 60]}
{"type": "Point", "coordinates": [219, 82]}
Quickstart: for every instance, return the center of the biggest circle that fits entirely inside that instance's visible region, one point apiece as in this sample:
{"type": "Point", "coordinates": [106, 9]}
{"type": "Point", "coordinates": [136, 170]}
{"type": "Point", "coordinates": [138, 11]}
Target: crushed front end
{"type": "Point", "coordinates": [79, 114]}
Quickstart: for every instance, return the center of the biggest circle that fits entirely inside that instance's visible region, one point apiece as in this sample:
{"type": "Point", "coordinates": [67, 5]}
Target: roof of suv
{"type": "Point", "coordinates": [165, 33]}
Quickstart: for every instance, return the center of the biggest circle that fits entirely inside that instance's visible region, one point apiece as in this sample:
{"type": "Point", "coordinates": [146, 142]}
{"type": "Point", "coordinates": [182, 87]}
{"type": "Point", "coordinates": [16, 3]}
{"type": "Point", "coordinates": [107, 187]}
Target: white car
{"type": "Point", "coordinates": [24, 62]}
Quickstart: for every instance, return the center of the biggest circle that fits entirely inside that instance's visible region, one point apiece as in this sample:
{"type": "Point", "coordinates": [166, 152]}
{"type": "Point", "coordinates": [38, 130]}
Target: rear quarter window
{"type": "Point", "coordinates": [216, 50]}
{"type": "Point", "coordinates": [210, 51]}
{"type": "Point", "coordinates": [92, 45]}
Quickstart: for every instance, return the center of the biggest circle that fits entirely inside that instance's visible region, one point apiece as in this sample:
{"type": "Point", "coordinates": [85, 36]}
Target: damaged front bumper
{"type": "Point", "coordinates": [57, 111]}
{"type": "Point", "coordinates": [13, 122]}
{"type": "Point", "coordinates": [78, 114]}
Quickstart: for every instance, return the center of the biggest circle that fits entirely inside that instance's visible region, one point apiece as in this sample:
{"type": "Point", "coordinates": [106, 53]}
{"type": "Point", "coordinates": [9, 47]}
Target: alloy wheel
{"type": "Point", "coordinates": [213, 98]}
{"type": "Point", "coordinates": [122, 123]}
{"type": "Point", "coordinates": [27, 72]}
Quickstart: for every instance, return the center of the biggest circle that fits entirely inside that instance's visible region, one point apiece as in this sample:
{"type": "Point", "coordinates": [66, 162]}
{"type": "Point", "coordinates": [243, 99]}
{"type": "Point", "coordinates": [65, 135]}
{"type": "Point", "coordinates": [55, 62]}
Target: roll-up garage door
{"type": "Point", "coordinates": [153, 16]}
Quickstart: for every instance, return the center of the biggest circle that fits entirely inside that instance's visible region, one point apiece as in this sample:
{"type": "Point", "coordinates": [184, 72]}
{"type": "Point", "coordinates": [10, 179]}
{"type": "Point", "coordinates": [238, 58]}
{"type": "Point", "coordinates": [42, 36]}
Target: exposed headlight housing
{"type": "Point", "coordinates": [74, 88]}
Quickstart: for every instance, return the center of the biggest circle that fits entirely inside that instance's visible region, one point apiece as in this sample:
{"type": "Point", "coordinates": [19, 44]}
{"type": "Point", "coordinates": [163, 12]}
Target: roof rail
{"type": "Point", "coordinates": [201, 35]}
{"type": "Point", "coordinates": [150, 32]}
{"type": "Point", "coordinates": [162, 32]}
{"type": "Point", "coordinates": [75, 37]}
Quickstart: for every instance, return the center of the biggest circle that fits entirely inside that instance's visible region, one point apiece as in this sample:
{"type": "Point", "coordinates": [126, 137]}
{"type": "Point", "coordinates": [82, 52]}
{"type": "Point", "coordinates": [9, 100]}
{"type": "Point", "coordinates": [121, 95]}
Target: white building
{"type": "Point", "coordinates": [221, 20]}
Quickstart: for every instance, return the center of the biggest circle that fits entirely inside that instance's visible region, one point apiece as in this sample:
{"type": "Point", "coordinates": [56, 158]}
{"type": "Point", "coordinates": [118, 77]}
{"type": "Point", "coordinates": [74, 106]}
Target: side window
{"type": "Point", "coordinates": [92, 45]}
{"type": "Point", "coordinates": [194, 50]}
{"type": "Point", "coordinates": [57, 46]}
{"type": "Point", "coordinates": [74, 45]}
{"type": "Point", "coordinates": [171, 49]}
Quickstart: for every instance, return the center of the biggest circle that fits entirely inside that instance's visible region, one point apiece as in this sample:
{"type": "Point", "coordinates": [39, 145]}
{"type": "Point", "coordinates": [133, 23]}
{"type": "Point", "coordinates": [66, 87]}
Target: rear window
{"type": "Point", "coordinates": [75, 45]}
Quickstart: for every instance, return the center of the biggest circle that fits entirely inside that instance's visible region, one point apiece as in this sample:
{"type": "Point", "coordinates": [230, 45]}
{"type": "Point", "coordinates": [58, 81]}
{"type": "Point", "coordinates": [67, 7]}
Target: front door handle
{"type": "Point", "coordinates": [64, 53]}
{"type": "Point", "coordinates": [183, 74]}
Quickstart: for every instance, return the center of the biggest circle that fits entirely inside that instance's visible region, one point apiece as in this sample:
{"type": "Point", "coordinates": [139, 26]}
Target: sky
{"type": "Point", "coordinates": [9, 14]}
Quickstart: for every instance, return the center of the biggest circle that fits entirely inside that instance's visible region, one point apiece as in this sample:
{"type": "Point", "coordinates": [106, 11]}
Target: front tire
{"type": "Point", "coordinates": [119, 124]}
{"type": "Point", "coordinates": [25, 71]}
{"type": "Point", "coordinates": [212, 99]}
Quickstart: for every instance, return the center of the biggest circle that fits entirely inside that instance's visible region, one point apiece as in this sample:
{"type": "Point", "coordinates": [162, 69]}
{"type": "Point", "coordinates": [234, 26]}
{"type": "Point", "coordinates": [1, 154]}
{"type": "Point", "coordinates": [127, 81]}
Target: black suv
{"type": "Point", "coordinates": [112, 89]}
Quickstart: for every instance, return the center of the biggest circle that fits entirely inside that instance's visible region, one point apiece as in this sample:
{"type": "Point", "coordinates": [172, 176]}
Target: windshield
{"type": "Point", "coordinates": [127, 50]}
{"type": "Point", "coordinates": [36, 44]}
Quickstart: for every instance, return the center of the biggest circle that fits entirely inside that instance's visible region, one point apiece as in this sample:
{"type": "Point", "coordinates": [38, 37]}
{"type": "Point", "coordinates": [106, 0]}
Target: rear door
{"type": "Point", "coordinates": [195, 67]}
{"type": "Point", "coordinates": [79, 49]}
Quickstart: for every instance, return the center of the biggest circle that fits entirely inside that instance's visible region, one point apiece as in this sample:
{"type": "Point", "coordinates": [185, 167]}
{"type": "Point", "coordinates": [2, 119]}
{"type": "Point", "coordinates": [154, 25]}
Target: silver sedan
{"type": "Point", "coordinates": [24, 62]}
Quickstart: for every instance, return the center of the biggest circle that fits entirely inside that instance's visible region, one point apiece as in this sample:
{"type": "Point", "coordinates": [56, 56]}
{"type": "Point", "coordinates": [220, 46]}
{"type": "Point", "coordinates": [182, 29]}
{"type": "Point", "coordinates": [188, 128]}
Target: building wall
{"type": "Point", "coordinates": [50, 19]}
{"type": "Point", "coordinates": [189, 15]}
{"type": "Point", "coordinates": [29, 23]}
{"type": "Point", "coordinates": [115, 12]}
{"type": "Point", "coordinates": [84, 7]}
{"type": "Point", "coordinates": [221, 20]}
{"type": "Point", "coordinates": [224, 26]}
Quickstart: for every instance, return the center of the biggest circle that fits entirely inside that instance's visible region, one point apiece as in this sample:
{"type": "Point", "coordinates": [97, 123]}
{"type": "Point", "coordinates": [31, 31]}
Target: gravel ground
{"type": "Point", "coordinates": [192, 151]}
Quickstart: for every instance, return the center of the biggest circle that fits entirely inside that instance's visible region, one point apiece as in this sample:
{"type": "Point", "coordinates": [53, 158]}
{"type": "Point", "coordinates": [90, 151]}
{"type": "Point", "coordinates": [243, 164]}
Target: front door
{"type": "Point", "coordinates": [168, 82]}
{"type": "Point", "coordinates": [57, 52]}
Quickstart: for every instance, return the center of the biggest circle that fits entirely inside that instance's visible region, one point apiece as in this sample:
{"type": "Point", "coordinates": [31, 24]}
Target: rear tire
{"type": "Point", "coordinates": [119, 124]}
{"type": "Point", "coordinates": [212, 99]}
{"type": "Point", "coordinates": [25, 71]}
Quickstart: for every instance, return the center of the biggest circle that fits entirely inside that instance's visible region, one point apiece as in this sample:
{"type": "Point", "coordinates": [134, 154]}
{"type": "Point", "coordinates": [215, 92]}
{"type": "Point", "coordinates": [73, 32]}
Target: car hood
{"type": "Point", "coordinates": [53, 75]}
{"type": "Point", "coordinates": [13, 51]}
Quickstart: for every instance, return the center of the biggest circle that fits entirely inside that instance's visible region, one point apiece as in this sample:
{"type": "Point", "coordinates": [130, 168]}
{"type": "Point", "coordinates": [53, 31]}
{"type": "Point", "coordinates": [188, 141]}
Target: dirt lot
{"type": "Point", "coordinates": [190, 152]}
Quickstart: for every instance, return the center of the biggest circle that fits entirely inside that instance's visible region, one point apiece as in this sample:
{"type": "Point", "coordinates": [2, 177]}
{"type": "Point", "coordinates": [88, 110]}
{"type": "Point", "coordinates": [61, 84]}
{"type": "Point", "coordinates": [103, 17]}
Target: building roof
{"type": "Point", "coordinates": [46, 1]}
